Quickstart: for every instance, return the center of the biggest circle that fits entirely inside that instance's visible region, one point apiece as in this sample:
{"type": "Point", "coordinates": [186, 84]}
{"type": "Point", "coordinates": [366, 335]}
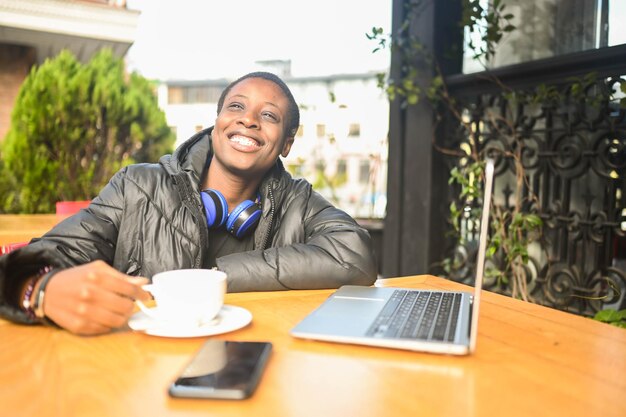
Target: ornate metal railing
{"type": "Point", "coordinates": [571, 135]}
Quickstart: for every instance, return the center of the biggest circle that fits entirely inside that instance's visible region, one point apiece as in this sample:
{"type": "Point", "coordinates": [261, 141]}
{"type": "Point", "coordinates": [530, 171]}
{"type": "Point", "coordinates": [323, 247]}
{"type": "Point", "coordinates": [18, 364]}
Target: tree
{"type": "Point", "coordinates": [73, 126]}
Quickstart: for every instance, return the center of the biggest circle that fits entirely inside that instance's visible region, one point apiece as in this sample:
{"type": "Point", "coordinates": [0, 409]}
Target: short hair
{"type": "Point", "coordinates": [293, 110]}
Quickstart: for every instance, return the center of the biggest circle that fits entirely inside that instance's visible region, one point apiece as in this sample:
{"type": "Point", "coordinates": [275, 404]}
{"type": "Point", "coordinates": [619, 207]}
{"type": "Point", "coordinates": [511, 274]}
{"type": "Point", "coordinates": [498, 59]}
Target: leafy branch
{"type": "Point", "coordinates": [485, 27]}
{"type": "Point", "coordinates": [613, 317]}
{"type": "Point", "coordinates": [512, 229]}
{"type": "Point", "coordinates": [515, 224]}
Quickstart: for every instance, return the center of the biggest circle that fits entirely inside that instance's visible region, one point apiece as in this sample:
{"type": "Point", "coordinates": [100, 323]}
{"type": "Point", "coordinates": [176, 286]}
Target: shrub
{"type": "Point", "coordinates": [73, 126]}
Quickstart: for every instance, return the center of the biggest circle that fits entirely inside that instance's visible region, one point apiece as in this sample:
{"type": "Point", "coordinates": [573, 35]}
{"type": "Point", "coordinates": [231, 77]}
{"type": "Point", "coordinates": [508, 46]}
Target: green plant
{"type": "Point", "coordinates": [73, 126]}
{"type": "Point", "coordinates": [512, 228]}
{"type": "Point", "coordinates": [613, 317]}
{"type": "Point", "coordinates": [515, 224]}
{"type": "Point", "coordinates": [484, 25]}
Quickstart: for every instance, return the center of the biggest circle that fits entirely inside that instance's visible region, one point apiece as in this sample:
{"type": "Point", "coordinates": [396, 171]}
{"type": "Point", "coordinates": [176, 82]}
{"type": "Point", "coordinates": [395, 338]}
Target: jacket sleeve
{"type": "Point", "coordinates": [318, 247]}
{"type": "Point", "coordinates": [84, 237]}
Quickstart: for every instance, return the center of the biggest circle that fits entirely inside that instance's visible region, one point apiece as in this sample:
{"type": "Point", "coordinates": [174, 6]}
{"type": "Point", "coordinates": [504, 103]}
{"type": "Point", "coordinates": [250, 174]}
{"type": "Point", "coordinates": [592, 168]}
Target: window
{"type": "Point", "coordinates": [354, 130]}
{"type": "Point", "coordinates": [364, 171]}
{"type": "Point", "coordinates": [202, 94]}
{"type": "Point", "coordinates": [174, 95]}
{"type": "Point", "coordinates": [342, 167]}
{"type": "Point", "coordinates": [321, 130]}
{"type": "Point", "coordinates": [194, 94]}
{"type": "Point", "coordinates": [548, 28]}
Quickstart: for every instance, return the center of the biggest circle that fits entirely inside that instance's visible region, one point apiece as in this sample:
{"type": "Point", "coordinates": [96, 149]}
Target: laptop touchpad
{"type": "Point", "coordinates": [349, 315]}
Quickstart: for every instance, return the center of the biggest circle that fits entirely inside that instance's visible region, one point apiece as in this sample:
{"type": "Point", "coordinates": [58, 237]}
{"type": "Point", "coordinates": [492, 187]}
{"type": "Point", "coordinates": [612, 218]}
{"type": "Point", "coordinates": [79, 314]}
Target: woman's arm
{"type": "Point", "coordinates": [88, 236]}
{"type": "Point", "coordinates": [319, 246]}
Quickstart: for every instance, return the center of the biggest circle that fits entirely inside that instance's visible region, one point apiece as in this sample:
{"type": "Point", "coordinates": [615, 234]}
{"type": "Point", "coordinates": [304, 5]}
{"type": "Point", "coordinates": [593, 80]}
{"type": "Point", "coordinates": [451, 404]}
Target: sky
{"type": "Point", "coordinates": [208, 39]}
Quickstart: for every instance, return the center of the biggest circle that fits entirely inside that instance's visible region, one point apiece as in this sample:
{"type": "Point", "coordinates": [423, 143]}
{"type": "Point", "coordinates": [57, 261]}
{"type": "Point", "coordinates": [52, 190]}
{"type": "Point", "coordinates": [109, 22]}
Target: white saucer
{"type": "Point", "coordinates": [230, 318]}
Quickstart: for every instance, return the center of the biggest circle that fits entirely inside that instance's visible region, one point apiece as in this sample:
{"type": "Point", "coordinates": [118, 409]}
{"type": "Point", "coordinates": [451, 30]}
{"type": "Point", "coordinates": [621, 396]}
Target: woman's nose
{"type": "Point", "coordinates": [249, 120]}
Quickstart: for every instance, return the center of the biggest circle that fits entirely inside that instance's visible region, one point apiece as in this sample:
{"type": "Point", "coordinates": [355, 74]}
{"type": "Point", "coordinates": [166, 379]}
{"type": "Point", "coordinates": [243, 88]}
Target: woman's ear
{"type": "Point", "coordinates": [287, 146]}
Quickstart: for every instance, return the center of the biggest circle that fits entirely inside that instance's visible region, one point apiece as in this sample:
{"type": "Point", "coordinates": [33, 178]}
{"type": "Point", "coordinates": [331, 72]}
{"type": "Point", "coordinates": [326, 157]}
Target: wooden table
{"type": "Point", "coordinates": [18, 228]}
{"type": "Point", "coordinates": [531, 361]}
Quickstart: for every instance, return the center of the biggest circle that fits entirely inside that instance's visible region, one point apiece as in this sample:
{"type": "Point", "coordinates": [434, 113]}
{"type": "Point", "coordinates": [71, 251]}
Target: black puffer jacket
{"type": "Point", "coordinates": [149, 218]}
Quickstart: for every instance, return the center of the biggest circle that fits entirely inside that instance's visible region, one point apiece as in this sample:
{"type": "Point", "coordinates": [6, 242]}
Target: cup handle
{"type": "Point", "coordinates": [150, 312]}
{"type": "Point", "coordinates": [145, 308]}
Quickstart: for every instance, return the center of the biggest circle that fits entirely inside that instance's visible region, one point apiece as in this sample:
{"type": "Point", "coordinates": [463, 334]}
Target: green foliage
{"type": "Point", "coordinates": [614, 317]}
{"type": "Point", "coordinates": [512, 227]}
{"type": "Point", "coordinates": [490, 24]}
{"type": "Point", "coordinates": [484, 26]}
{"type": "Point", "coordinates": [512, 230]}
{"type": "Point", "coordinates": [581, 89]}
{"type": "Point", "coordinates": [410, 50]}
{"type": "Point", "coordinates": [73, 126]}
{"type": "Point", "coordinates": [377, 35]}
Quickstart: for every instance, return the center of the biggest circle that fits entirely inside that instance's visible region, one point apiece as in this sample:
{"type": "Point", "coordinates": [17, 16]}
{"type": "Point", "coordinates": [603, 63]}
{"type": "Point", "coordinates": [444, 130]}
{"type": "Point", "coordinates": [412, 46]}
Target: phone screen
{"type": "Point", "coordinates": [223, 369]}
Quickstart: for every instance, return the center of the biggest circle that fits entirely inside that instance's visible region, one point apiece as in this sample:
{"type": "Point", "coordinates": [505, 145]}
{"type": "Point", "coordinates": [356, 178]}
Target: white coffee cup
{"type": "Point", "coordinates": [186, 296]}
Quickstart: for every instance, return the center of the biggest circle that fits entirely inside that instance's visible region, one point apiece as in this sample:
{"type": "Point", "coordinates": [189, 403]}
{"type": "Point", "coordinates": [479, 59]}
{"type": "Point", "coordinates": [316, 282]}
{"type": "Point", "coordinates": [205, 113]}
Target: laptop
{"type": "Point", "coordinates": [436, 321]}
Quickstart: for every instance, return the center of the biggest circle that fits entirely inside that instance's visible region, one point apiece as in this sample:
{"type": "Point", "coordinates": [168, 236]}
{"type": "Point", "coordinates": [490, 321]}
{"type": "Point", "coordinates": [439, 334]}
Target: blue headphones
{"type": "Point", "coordinates": [242, 220]}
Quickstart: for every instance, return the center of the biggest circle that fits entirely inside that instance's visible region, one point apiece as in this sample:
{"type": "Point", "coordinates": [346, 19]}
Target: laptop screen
{"type": "Point", "coordinates": [482, 249]}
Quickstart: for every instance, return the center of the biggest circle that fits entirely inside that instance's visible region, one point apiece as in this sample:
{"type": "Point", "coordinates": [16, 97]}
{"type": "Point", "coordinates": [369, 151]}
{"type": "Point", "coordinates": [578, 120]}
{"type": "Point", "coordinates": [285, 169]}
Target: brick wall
{"type": "Point", "coordinates": [15, 63]}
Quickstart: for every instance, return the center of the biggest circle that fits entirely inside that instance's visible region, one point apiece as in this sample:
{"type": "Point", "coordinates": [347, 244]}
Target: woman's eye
{"type": "Point", "coordinates": [270, 116]}
{"type": "Point", "coordinates": [235, 106]}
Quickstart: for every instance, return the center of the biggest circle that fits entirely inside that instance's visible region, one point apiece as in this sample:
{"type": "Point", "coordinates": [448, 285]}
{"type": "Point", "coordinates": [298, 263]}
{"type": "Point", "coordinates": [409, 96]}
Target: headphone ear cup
{"type": "Point", "coordinates": [244, 218]}
{"type": "Point", "coordinates": [215, 208]}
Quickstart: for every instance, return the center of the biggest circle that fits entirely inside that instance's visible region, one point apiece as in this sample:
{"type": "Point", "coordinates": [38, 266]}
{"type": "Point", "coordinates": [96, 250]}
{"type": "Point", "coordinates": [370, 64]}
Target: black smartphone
{"type": "Point", "coordinates": [223, 369]}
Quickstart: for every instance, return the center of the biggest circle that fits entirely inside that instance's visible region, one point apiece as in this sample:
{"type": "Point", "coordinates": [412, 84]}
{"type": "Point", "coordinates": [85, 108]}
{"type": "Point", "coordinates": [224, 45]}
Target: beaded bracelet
{"type": "Point", "coordinates": [41, 292]}
{"type": "Point", "coordinates": [26, 304]}
{"type": "Point", "coordinates": [29, 307]}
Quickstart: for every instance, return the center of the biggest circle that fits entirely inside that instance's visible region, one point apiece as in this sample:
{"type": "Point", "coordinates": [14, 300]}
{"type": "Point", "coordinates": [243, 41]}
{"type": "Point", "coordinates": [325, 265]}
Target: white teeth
{"type": "Point", "coordinates": [242, 140]}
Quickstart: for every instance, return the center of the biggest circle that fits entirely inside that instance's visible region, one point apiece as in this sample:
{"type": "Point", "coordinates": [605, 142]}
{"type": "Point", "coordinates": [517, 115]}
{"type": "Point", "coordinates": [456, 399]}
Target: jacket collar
{"type": "Point", "coordinates": [190, 157]}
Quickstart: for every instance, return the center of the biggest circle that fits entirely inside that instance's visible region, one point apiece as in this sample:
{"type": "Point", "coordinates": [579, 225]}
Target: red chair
{"type": "Point", "coordinates": [65, 208]}
{"type": "Point", "coordinates": [4, 249]}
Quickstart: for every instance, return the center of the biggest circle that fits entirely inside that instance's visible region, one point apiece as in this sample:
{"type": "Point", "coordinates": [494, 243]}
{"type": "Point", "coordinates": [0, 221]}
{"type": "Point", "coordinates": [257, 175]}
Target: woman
{"type": "Point", "coordinates": [223, 199]}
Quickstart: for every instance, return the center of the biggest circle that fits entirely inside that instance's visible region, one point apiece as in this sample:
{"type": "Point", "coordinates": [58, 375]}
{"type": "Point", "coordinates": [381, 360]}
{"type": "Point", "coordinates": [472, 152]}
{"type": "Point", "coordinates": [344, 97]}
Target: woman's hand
{"type": "Point", "coordinates": [93, 298]}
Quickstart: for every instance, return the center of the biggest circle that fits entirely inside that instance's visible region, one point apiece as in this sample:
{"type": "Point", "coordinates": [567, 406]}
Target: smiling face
{"type": "Point", "coordinates": [251, 129]}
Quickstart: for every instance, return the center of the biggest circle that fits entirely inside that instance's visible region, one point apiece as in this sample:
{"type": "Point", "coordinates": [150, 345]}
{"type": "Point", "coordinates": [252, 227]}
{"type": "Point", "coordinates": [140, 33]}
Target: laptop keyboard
{"type": "Point", "coordinates": [427, 315]}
